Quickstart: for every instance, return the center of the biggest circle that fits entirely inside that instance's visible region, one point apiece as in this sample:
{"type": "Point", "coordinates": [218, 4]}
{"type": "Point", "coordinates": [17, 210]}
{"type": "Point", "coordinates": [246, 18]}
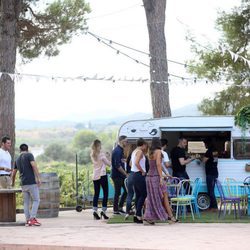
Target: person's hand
{"type": "Point", "coordinates": [161, 182]}
{"type": "Point", "coordinates": [38, 182]}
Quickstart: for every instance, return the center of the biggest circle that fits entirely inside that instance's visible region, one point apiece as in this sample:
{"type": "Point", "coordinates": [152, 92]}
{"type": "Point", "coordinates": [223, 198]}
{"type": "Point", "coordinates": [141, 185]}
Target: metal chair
{"type": "Point", "coordinates": [224, 200]}
{"type": "Point", "coordinates": [195, 192]}
{"type": "Point", "coordinates": [234, 189]}
{"type": "Point", "coordinates": [172, 186]}
{"type": "Point", "coordinates": [246, 183]}
{"type": "Point", "coordinates": [184, 198]}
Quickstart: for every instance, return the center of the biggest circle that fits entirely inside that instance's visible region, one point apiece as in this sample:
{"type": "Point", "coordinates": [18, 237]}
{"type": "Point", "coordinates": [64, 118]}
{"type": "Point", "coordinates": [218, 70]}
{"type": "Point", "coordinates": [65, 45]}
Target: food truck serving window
{"type": "Point", "coordinates": [241, 149]}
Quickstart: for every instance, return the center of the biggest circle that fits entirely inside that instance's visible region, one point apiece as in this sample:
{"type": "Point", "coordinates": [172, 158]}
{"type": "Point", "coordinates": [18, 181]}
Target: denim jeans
{"type": "Point", "coordinates": [210, 189]}
{"type": "Point", "coordinates": [102, 182]}
{"type": "Point", "coordinates": [30, 192]}
{"type": "Point", "coordinates": [119, 201]}
{"type": "Point", "coordinates": [130, 195]}
{"type": "Point", "coordinates": [140, 191]}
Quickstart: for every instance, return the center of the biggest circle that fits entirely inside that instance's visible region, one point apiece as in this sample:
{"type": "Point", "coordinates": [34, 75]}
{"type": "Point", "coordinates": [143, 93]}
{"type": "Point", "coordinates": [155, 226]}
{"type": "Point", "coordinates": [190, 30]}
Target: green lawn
{"type": "Point", "coordinates": [206, 217]}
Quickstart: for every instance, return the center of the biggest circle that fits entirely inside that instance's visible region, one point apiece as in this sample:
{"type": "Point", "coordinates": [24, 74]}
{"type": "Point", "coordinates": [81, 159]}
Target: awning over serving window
{"type": "Point", "coordinates": [165, 129]}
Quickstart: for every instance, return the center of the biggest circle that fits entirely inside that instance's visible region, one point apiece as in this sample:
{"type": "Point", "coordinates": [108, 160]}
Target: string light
{"type": "Point", "coordinates": [112, 78]}
{"type": "Point", "coordinates": [221, 47]}
{"type": "Point", "coordinates": [101, 39]}
{"type": "Point", "coordinates": [132, 58]}
{"type": "Point", "coordinates": [133, 49]}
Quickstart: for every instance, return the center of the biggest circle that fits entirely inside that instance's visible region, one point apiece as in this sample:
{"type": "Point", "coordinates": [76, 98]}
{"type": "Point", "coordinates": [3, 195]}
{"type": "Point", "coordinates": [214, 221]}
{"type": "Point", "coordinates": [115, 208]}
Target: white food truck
{"type": "Point", "coordinates": [232, 145]}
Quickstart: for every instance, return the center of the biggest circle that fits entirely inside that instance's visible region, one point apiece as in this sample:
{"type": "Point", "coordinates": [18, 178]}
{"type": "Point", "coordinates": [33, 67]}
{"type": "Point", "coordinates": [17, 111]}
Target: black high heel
{"type": "Point", "coordinates": [104, 215]}
{"type": "Point", "coordinates": [96, 216]}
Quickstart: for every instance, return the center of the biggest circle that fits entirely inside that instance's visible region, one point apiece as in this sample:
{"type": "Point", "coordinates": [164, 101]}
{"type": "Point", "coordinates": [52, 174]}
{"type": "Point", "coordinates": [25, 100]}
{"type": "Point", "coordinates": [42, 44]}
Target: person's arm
{"type": "Point", "coordinates": [184, 162]}
{"type": "Point", "coordinates": [158, 156]}
{"type": "Point", "coordinates": [117, 164]}
{"type": "Point", "coordinates": [6, 169]}
{"type": "Point", "coordinates": [206, 156]}
{"type": "Point", "coordinates": [205, 159]}
{"type": "Point", "coordinates": [36, 172]}
{"type": "Point", "coordinates": [13, 176]}
{"type": "Point", "coordinates": [121, 170]}
{"type": "Point", "coordinates": [138, 157]}
{"type": "Point", "coordinates": [105, 160]}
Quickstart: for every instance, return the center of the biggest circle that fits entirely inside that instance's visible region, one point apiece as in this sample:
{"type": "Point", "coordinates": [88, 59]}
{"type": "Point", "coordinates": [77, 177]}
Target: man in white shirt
{"type": "Point", "coordinates": [165, 159]}
{"type": "Point", "coordinates": [5, 163]}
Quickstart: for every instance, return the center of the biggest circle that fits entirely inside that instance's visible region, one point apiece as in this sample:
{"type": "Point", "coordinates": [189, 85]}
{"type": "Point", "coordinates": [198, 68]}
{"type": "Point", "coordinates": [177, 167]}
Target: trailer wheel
{"type": "Point", "coordinates": [203, 201]}
{"type": "Point", "coordinates": [79, 208]}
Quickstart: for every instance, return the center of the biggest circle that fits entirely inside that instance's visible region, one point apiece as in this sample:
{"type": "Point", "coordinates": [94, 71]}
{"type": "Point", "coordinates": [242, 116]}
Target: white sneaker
{"type": "Point", "coordinates": [126, 217]}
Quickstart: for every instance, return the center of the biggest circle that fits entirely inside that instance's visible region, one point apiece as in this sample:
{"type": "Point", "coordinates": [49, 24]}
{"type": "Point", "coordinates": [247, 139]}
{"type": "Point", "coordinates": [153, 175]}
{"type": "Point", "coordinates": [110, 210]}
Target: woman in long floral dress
{"type": "Point", "coordinates": [157, 205]}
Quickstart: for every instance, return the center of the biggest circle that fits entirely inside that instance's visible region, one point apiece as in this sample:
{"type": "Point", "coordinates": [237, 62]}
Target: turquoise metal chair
{"type": "Point", "coordinates": [183, 199]}
{"type": "Point", "coordinates": [195, 192]}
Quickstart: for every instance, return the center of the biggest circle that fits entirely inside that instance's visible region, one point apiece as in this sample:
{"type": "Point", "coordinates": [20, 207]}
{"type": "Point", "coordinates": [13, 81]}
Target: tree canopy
{"type": "Point", "coordinates": [32, 29]}
{"type": "Point", "coordinates": [45, 30]}
{"type": "Point", "coordinates": [215, 63]}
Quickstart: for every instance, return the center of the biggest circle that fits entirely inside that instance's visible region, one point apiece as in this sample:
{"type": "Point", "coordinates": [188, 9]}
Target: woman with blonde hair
{"type": "Point", "coordinates": [100, 178]}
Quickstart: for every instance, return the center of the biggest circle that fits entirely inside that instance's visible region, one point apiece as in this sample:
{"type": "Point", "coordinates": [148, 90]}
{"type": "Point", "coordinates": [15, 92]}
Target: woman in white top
{"type": "Point", "coordinates": [138, 167]}
{"type": "Point", "coordinates": [100, 178]}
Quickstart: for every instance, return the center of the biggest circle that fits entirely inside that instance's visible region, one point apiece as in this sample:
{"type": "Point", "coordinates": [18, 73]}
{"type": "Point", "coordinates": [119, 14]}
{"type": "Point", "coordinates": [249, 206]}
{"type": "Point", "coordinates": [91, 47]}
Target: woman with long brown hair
{"type": "Point", "coordinates": [100, 178]}
{"type": "Point", "coordinates": [157, 204]}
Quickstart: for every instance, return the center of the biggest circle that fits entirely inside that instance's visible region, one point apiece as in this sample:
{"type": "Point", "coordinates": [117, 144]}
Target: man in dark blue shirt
{"type": "Point", "coordinates": [118, 174]}
{"type": "Point", "coordinates": [30, 182]}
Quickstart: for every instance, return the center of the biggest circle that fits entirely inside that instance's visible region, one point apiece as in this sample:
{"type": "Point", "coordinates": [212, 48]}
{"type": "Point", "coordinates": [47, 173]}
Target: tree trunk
{"type": "Point", "coordinates": [9, 14]}
{"type": "Point", "coordinates": [155, 14]}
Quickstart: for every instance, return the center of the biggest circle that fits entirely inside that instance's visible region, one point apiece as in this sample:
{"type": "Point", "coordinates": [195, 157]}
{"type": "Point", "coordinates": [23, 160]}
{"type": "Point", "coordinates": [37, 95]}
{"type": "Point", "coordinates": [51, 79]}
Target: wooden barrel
{"type": "Point", "coordinates": [49, 196]}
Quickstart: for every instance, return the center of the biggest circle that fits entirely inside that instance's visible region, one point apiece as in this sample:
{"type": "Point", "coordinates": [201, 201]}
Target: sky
{"type": "Point", "coordinates": [49, 98]}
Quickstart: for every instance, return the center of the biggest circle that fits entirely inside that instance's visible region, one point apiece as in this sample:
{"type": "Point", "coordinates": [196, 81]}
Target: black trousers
{"type": "Point", "coordinates": [119, 201]}
{"type": "Point", "coordinates": [210, 189]}
{"type": "Point", "coordinates": [130, 195]}
{"type": "Point", "coordinates": [102, 182]}
{"type": "Point", "coordinates": [140, 191]}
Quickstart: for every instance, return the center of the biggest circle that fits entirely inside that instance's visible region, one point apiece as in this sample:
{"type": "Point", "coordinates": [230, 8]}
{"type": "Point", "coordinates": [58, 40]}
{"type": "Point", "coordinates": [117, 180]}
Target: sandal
{"type": "Point", "coordinates": [148, 222]}
{"type": "Point", "coordinates": [172, 219]}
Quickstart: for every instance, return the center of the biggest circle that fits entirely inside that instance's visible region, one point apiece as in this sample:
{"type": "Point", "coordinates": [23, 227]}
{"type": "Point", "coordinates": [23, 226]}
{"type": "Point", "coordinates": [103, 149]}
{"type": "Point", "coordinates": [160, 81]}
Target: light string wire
{"type": "Point", "coordinates": [133, 49]}
{"type": "Point", "coordinates": [223, 48]}
{"type": "Point", "coordinates": [118, 51]}
{"type": "Point", "coordinates": [111, 78]}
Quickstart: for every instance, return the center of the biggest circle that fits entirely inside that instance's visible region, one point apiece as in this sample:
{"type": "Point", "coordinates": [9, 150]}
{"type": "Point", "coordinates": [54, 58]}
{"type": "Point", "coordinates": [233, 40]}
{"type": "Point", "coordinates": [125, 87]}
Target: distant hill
{"type": "Point", "coordinates": [33, 124]}
{"type": "Point", "coordinates": [91, 120]}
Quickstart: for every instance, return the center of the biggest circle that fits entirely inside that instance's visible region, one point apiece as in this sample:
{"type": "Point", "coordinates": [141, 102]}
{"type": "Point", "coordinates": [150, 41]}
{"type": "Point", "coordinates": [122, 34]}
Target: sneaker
{"type": "Point", "coordinates": [121, 211]}
{"type": "Point", "coordinates": [116, 212]}
{"type": "Point", "coordinates": [34, 222]}
{"type": "Point", "coordinates": [126, 217]}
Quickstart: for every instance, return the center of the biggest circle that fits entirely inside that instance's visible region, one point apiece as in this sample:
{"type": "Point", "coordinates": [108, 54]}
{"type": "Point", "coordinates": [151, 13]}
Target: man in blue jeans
{"type": "Point", "coordinates": [30, 182]}
{"type": "Point", "coordinates": [118, 175]}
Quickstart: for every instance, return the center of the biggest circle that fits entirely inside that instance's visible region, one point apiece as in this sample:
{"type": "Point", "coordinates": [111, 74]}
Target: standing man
{"type": "Point", "coordinates": [179, 159]}
{"type": "Point", "coordinates": [5, 163]}
{"type": "Point", "coordinates": [30, 181]}
{"type": "Point", "coordinates": [165, 159]}
{"type": "Point", "coordinates": [211, 161]}
{"type": "Point", "coordinates": [118, 175]}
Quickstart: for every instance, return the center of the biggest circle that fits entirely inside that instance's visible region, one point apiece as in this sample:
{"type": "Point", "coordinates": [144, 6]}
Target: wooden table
{"type": "Point", "coordinates": [8, 204]}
